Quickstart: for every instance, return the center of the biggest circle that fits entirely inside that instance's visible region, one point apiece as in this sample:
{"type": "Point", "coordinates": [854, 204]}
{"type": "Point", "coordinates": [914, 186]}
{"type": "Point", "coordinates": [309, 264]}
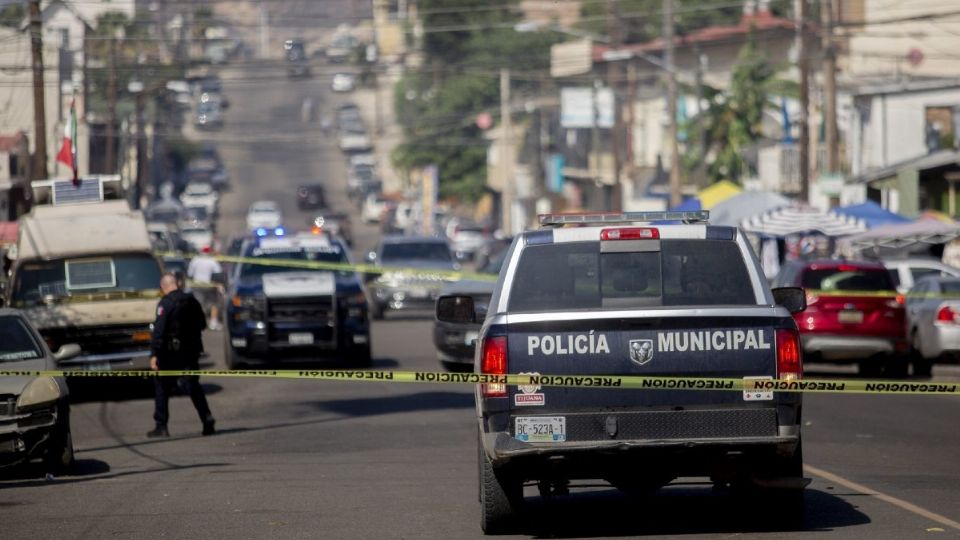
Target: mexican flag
{"type": "Point", "coordinates": [68, 152]}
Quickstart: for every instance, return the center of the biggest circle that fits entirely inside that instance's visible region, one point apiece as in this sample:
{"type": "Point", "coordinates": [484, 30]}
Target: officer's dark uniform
{"type": "Point", "coordinates": [177, 344]}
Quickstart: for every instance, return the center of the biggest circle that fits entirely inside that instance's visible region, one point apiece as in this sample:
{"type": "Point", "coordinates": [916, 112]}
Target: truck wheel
{"type": "Point", "coordinates": [361, 357]}
{"type": "Point", "coordinates": [785, 505]}
{"type": "Point", "coordinates": [501, 496]}
{"type": "Point", "coordinates": [233, 360]}
{"type": "Point", "coordinates": [58, 454]}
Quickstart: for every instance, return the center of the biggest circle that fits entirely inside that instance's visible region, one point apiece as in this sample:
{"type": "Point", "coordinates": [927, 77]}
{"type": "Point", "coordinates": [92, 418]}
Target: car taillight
{"type": "Point", "coordinates": [493, 361]}
{"type": "Point", "coordinates": [947, 315]}
{"type": "Point", "coordinates": [789, 355]}
{"type": "Point", "coordinates": [630, 233]}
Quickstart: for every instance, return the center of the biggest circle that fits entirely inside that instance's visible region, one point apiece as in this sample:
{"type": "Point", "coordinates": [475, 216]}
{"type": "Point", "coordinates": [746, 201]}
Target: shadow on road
{"type": "Point", "coordinates": [121, 389]}
{"type": "Point", "coordinates": [673, 510]}
{"type": "Point", "coordinates": [375, 406]}
{"type": "Point", "coordinates": [83, 470]}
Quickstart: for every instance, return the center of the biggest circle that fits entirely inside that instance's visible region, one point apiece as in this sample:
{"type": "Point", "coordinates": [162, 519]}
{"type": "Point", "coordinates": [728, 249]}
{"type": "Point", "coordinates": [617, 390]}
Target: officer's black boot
{"type": "Point", "coordinates": [159, 431]}
{"type": "Point", "coordinates": [208, 426]}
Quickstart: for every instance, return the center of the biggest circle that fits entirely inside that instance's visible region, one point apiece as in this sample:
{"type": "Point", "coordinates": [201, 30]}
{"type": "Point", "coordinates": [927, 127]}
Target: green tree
{"type": "Point", "coordinates": [11, 16]}
{"type": "Point", "coordinates": [733, 120]}
{"type": "Point", "coordinates": [438, 105]}
{"type": "Point", "coordinates": [642, 20]}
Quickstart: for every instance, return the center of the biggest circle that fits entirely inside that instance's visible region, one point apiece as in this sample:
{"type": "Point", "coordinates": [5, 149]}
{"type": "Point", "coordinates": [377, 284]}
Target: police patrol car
{"type": "Point", "coordinates": [620, 294]}
{"type": "Point", "coordinates": [289, 305]}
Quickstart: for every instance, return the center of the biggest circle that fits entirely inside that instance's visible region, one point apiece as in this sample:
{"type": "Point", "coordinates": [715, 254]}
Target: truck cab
{"type": "Point", "coordinates": [622, 294]}
{"type": "Point", "coordinates": [85, 273]}
{"type": "Point", "coordinates": [295, 297]}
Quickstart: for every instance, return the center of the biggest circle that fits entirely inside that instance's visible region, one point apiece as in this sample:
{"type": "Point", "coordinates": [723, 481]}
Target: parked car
{"type": "Point", "coordinates": [373, 207]}
{"type": "Point", "coordinates": [198, 234]}
{"type": "Point", "coordinates": [933, 322]}
{"type": "Point", "coordinates": [854, 315]}
{"type": "Point", "coordinates": [34, 411]}
{"type": "Point", "coordinates": [358, 178]}
{"type": "Point", "coordinates": [466, 238]}
{"type": "Point", "coordinates": [264, 215]}
{"type": "Point", "coordinates": [456, 341]}
{"type": "Point", "coordinates": [165, 211]}
{"type": "Point", "coordinates": [311, 196]}
{"type": "Point", "coordinates": [343, 82]}
{"type": "Point", "coordinates": [200, 195]}
{"type": "Point", "coordinates": [354, 141]}
{"type": "Point", "coordinates": [424, 260]}
{"type": "Point", "coordinates": [906, 272]}
{"type": "Point", "coordinates": [209, 115]}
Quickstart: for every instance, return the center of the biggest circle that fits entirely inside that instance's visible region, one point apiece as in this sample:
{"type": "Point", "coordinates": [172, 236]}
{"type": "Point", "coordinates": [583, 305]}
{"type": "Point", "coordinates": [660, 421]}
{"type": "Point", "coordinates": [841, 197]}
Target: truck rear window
{"type": "Point", "coordinates": [577, 275]}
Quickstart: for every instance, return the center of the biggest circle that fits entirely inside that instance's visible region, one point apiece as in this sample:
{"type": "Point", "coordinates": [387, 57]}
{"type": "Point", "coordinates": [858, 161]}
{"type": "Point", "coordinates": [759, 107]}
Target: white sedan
{"type": "Point", "coordinates": [264, 215]}
{"type": "Point", "coordinates": [343, 82]}
{"type": "Point", "coordinates": [200, 195]}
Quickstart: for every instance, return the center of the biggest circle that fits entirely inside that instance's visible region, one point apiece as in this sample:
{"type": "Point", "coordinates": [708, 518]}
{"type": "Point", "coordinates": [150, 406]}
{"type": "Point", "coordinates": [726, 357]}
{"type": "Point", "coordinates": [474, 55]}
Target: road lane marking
{"type": "Point", "coordinates": [899, 503]}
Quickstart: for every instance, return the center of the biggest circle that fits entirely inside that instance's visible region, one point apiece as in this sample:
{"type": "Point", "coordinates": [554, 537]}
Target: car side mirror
{"type": "Point", "coordinates": [792, 298]}
{"type": "Point", "coordinates": [456, 309]}
{"type": "Point", "coordinates": [66, 352]}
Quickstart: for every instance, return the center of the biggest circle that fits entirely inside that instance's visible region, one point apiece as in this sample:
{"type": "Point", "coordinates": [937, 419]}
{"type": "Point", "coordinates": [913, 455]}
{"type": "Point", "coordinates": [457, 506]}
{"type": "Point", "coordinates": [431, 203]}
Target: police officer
{"type": "Point", "coordinates": [176, 345]}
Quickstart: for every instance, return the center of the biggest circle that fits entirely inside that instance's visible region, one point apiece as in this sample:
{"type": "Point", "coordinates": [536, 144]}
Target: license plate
{"type": "Point", "coordinates": [99, 366]}
{"type": "Point", "coordinates": [854, 317]}
{"type": "Point", "coordinates": [541, 429]}
{"type": "Point", "coordinates": [300, 338]}
{"type": "Point", "coordinates": [470, 338]}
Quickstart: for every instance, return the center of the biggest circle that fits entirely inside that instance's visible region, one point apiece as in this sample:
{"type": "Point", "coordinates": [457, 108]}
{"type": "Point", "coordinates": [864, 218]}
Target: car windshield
{"type": "Point", "coordinates": [848, 279]}
{"type": "Point", "coordinates": [682, 273]}
{"type": "Point", "coordinates": [36, 281]}
{"type": "Point", "coordinates": [17, 343]}
{"type": "Point", "coordinates": [429, 251]}
{"type": "Point", "coordinates": [332, 254]}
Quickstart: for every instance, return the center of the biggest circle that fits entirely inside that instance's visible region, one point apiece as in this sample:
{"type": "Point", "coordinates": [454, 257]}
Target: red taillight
{"type": "Point", "coordinates": [947, 315]}
{"type": "Point", "coordinates": [493, 360]}
{"type": "Point", "coordinates": [631, 233]}
{"type": "Point", "coordinates": [847, 268]}
{"type": "Point", "coordinates": [789, 355]}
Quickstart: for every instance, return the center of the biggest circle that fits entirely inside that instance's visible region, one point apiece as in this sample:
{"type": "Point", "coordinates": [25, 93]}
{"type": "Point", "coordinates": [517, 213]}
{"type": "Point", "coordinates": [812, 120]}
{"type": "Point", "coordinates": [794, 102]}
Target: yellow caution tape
{"type": "Point", "coordinates": [563, 381]}
{"type": "Point", "coordinates": [415, 273]}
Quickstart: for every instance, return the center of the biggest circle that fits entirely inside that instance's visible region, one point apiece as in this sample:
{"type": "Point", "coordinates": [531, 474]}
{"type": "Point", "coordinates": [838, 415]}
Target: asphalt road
{"type": "Point", "coordinates": [305, 459]}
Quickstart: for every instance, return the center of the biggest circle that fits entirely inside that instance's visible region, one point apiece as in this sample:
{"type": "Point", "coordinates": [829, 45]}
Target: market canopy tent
{"type": "Point", "coordinates": [921, 232]}
{"type": "Point", "coordinates": [745, 204]}
{"type": "Point", "coordinates": [717, 192]}
{"type": "Point", "coordinates": [792, 220]}
{"type": "Point", "coordinates": [872, 214]}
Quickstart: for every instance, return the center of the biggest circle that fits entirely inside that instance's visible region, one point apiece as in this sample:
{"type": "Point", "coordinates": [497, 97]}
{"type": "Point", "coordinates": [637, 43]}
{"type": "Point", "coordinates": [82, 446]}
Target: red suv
{"type": "Point", "coordinates": [853, 315]}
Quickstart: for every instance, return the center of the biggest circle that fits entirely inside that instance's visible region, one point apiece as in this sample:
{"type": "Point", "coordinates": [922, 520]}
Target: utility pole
{"type": "Point", "coordinates": [676, 197]}
{"type": "Point", "coordinates": [506, 155]}
{"type": "Point", "coordinates": [613, 191]}
{"type": "Point", "coordinates": [39, 169]}
{"type": "Point", "coordinates": [264, 29]}
{"type": "Point", "coordinates": [830, 88]}
{"type": "Point", "coordinates": [803, 63]}
{"type": "Point", "coordinates": [142, 160]}
{"type": "Point", "coordinates": [110, 161]}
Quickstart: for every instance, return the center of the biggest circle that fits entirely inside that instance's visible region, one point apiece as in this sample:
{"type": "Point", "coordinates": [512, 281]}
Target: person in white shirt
{"type": "Point", "coordinates": [201, 271]}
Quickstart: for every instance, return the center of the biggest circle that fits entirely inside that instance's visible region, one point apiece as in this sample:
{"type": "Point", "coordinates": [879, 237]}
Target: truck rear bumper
{"type": "Point", "coordinates": [503, 448]}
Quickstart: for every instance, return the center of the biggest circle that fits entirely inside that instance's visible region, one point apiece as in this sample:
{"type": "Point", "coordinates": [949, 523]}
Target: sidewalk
{"type": "Point", "coordinates": [392, 135]}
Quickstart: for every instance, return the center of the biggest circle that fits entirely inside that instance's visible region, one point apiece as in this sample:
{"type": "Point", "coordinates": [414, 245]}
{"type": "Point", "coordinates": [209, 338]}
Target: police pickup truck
{"type": "Point", "coordinates": [283, 303]}
{"type": "Point", "coordinates": [619, 294]}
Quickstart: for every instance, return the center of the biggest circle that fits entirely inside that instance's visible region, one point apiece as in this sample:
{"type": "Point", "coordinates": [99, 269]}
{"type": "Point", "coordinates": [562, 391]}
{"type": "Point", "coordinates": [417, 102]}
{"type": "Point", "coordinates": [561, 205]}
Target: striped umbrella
{"type": "Point", "coordinates": [801, 220]}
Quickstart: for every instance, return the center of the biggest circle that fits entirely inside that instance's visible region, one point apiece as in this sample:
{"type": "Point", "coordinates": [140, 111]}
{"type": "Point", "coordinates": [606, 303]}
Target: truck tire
{"type": "Point", "coordinates": [233, 360]}
{"type": "Point", "coordinates": [501, 496]}
{"type": "Point", "coordinates": [785, 506]}
{"type": "Point", "coordinates": [361, 356]}
{"type": "Point", "coordinates": [58, 454]}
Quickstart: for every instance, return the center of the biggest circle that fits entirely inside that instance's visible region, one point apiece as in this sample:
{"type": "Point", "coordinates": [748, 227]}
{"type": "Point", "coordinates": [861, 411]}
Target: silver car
{"type": "Point", "coordinates": [34, 411]}
{"type": "Point", "coordinates": [933, 321]}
